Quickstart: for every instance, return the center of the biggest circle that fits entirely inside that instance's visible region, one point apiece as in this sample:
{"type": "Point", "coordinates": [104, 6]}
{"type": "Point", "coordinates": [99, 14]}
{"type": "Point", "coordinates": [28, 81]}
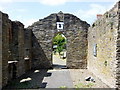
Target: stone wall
{"type": "Point", "coordinates": [39, 59]}
{"type": "Point", "coordinates": [5, 46]}
{"type": "Point", "coordinates": [28, 49]}
{"type": "Point", "coordinates": [118, 50]}
{"type": "Point", "coordinates": [22, 49]}
{"type": "Point", "coordinates": [0, 50]}
{"type": "Point", "coordinates": [43, 31]}
{"type": "Point", "coordinates": [14, 46]}
{"type": "Point", "coordinates": [76, 34]}
{"type": "Point", "coordinates": [75, 30]}
{"type": "Point", "coordinates": [102, 39]}
{"type": "Point", "coordinates": [18, 47]}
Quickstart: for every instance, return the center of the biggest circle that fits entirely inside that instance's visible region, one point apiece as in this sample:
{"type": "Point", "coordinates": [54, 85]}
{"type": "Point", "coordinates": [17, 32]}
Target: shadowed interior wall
{"type": "Point", "coordinates": [12, 49]}
{"type": "Point", "coordinates": [0, 50]}
{"type": "Point", "coordinates": [28, 49]}
{"type": "Point", "coordinates": [18, 46]}
{"type": "Point", "coordinates": [5, 47]}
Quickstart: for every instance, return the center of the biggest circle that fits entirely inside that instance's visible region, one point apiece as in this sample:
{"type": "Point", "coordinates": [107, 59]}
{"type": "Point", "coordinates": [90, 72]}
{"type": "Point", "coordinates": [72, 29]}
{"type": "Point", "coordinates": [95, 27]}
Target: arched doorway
{"type": "Point", "coordinates": [59, 50]}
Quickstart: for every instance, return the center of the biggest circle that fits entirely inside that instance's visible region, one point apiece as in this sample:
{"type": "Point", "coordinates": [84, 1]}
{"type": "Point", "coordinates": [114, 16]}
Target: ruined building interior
{"type": "Point", "coordinates": [95, 47]}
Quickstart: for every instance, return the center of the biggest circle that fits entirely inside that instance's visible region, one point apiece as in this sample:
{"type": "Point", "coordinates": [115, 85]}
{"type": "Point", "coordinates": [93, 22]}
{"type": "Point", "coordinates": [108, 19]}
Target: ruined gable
{"type": "Point", "coordinates": [97, 49]}
{"type": "Point", "coordinates": [74, 29]}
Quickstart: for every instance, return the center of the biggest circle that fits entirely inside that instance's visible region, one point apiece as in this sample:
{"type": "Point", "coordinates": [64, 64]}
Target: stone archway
{"type": "Point", "coordinates": [75, 30]}
{"type": "Point", "coordinates": [59, 50]}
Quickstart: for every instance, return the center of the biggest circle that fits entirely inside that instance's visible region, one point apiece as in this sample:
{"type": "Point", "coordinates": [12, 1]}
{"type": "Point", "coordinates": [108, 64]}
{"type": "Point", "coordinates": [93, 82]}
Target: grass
{"type": "Point", "coordinates": [83, 85]}
{"type": "Point", "coordinates": [62, 87]}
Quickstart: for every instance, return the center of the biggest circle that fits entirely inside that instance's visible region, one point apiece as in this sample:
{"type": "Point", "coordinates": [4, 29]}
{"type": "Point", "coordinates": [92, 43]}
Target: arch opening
{"type": "Point", "coordinates": [59, 51]}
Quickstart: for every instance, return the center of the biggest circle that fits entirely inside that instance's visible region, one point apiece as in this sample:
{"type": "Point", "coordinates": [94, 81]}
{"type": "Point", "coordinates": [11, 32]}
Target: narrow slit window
{"type": "Point", "coordinates": [95, 50]}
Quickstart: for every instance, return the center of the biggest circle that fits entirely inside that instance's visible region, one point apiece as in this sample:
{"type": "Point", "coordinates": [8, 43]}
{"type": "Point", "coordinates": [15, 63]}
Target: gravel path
{"type": "Point", "coordinates": [58, 79]}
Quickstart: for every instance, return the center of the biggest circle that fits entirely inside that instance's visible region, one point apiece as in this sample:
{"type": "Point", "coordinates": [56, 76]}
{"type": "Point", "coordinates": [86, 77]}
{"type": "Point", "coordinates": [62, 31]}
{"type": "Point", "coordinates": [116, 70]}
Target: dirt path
{"type": "Point", "coordinates": [58, 61]}
{"type": "Point", "coordinates": [59, 79]}
{"type": "Point", "coordinates": [78, 76]}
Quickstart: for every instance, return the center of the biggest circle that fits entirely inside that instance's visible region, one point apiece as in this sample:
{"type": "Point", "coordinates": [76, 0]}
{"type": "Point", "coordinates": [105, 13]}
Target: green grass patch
{"type": "Point", "coordinates": [62, 87]}
{"type": "Point", "coordinates": [84, 85]}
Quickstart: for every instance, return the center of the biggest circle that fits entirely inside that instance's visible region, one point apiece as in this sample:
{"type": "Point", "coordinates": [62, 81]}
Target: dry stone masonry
{"type": "Point", "coordinates": [0, 50]}
{"type": "Point", "coordinates": [24, 49]}
{"type": "Point", "coordinates": [4, 47]}
{"type": "Point", "coordinates": [118, 50]}
{"type": "Point", "coordinates": [12, 49]}
{"type": "Point", "coordinates": [75, 31]}
{"type": "Point", "coordinates": [103, 47]}
{"type": "Point", "coordinates": [96, 48]}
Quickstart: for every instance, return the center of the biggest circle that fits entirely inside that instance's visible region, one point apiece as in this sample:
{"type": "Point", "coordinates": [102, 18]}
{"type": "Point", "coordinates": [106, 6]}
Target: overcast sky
{"type": "Point", "coordinates": [29, 11]}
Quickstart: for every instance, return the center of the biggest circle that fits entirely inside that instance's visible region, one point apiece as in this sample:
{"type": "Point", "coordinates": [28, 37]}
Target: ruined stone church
{"type": "Point", "coordinates": [95, 47]}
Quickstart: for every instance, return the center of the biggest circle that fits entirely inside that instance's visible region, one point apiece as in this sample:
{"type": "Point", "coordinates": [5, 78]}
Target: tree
{"type": "Point", "coordinates": [60, 41]}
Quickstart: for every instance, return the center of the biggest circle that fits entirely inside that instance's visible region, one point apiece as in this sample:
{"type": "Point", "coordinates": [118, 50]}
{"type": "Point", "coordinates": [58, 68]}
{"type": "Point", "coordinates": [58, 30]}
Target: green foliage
{"type": "Point", "coordinates": [62, 87]}
{"type": "Point", "coordinates": [60, 41]}
{"type": "Point", "coordinates": [82, 85]}
{"type": "Point", "coordinates": [60, 49]}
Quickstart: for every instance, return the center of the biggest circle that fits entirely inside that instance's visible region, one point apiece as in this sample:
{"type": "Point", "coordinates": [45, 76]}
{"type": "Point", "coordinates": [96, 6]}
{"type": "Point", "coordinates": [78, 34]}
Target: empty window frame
{"type": "Point", "coordinates": [95, 50]}
{"type": "Point", "coordinates": [60, 25]}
